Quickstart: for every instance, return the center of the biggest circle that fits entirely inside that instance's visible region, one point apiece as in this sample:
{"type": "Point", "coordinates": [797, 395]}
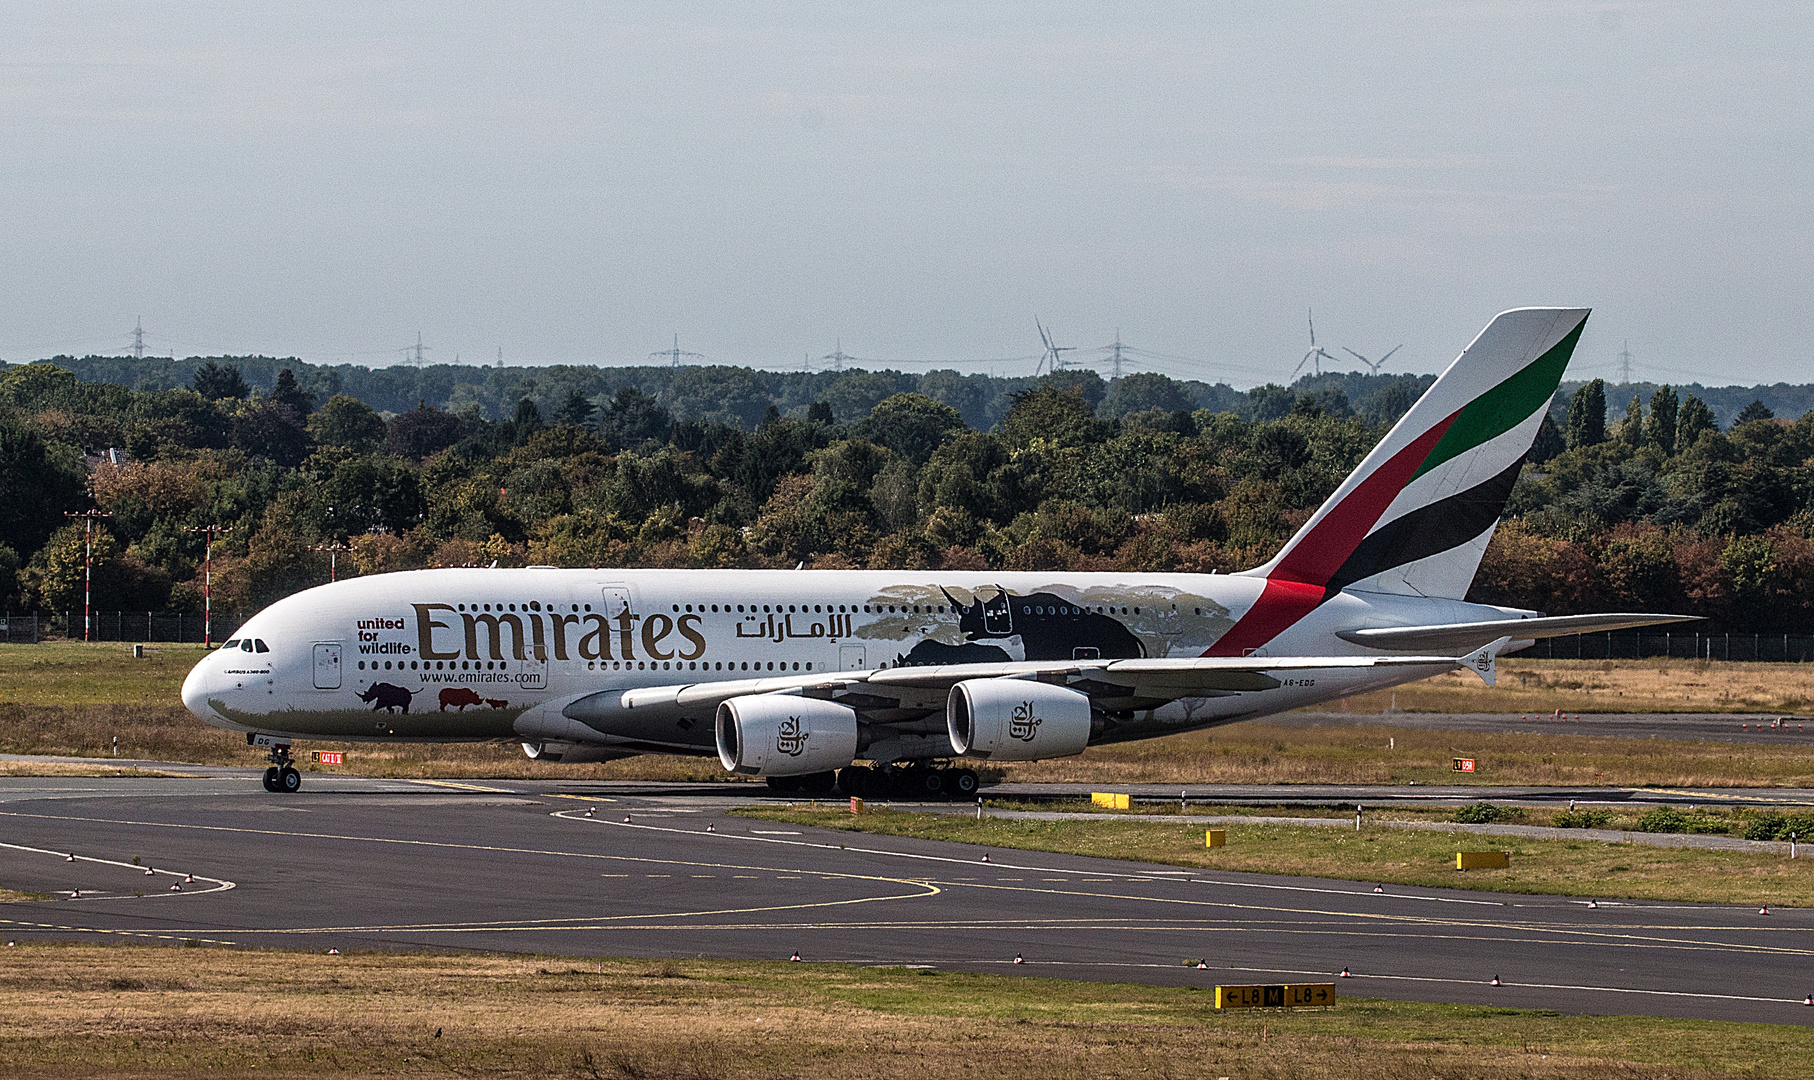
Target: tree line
{"type": "Point", "coordinates": [1660, 507]}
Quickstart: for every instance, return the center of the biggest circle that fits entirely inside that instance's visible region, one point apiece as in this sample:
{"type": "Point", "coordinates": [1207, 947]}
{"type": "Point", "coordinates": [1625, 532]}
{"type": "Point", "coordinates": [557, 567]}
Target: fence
{"type": "Point", "coordinates": [176, 626]}
{"type": "Point", "coordinates": [1639, 644]}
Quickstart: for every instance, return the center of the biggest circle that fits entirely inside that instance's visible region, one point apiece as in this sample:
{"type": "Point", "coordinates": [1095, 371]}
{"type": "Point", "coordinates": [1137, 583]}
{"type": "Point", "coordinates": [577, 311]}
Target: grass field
{"type": "Point", "coordinates": [74, 699]}
{"type": "Point", "coordinates": [1396, 856]}
{"type": "Point", "coordinates": [123, 1011]}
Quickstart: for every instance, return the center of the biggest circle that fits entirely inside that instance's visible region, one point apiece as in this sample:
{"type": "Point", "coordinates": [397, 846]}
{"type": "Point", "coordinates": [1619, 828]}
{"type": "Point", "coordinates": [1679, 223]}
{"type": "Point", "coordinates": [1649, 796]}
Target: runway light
{"type": "Point", "coordinates": [1202, 965]}
{"type": "Point", "coordinates": [1809, 1000]}
{"type": "Point", "coordinates": [1593, 903]}
{"type": "Point", "coordinates": [1495, 982]}
{"type": "Point", "coordinates": [626, 819]}
{"type": "Point", "coordinates": [69, 858]}
{"type": "Point", "coordinates": [1765, 910]}
{"type": "Point", "coordinates": [1379, 888]}
{"type": "Point", "coordinates": [588, 811]}
{"type": "Point", "coordinates": [75, 894]}
{"type": "Point", "coordinates": [191, 877]}
{"type": "Point", "coordinates": [985, 858]}
{"type": "Point", "coordinates": [333, 952]}
{"type": "Point", "coordinates": [794, 957]}
{"type": "Point", "coordinates": [149, 871]}
{"type": "Point", "coordinates": [709, 828]}
{"type": "Point", "coordinates": [1018, 959]}
{"type": "Point", "coordinates": [176, 888]}
{"type": "Point", "coordinates": [1345, 974]}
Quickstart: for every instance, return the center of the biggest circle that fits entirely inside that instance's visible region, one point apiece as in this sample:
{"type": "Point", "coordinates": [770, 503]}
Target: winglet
{"type": "Point", "coordinates": [1481, 661]}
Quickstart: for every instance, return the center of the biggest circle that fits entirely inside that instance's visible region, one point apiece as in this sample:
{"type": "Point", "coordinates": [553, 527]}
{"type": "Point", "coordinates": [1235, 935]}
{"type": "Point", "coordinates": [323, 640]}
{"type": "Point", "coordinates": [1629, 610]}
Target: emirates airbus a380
{"type": "Point", "coordinates": [795, 676]}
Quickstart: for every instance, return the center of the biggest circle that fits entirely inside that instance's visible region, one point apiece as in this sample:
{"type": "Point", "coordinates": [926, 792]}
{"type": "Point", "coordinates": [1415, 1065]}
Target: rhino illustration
{"type": "Point", "coordinates": [496, 703]}
{"type": "Point", "coordinates": [383, 695]}
{"type": "Point", "coordinates": [459, 697]}
{"type": "Point", "coordinates": [1050, 627]}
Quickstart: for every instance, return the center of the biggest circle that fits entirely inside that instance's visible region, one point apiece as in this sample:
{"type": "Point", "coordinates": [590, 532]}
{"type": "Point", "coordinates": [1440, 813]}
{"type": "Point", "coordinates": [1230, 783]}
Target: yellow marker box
{"type": "Point", "coordinates": [1111, 800]}
{"type": "Point", "coordinates": [1215, 838]}
{"type": "Point", "coordinates": [1483, 860]}
{"type": "Point", "coordinates": [1288, 996]}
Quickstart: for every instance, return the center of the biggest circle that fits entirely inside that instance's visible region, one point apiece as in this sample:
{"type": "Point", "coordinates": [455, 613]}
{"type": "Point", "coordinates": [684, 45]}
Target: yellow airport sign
{"type": "Point", "coordinates": [1215, 838]}
{"type": "Point", "coordinates": [1289, 996]}
{"type": "Point", "coordinates": [1483, 860]}
{"type": "Point", "coordinates": [1112, 800]}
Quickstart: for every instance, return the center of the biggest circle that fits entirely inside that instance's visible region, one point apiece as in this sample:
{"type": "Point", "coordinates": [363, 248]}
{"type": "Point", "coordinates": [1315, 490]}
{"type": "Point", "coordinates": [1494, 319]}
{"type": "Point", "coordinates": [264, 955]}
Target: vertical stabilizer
{"type": "Point", "coordinates": [1416, 515]}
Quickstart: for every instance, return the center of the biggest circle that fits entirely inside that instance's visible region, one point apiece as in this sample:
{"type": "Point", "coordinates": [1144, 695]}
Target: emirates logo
{"type": "Point", "coordinates": [790, 740]}
{"type": "Point", "coordinates": [1022, 724]}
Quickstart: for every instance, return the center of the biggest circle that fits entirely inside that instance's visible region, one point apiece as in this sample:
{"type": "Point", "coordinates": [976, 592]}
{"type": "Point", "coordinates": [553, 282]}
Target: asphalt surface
{"type": "Point", "coordinates": [520, 866]}
{"type": "Point", "coordinates": [1761, 728]}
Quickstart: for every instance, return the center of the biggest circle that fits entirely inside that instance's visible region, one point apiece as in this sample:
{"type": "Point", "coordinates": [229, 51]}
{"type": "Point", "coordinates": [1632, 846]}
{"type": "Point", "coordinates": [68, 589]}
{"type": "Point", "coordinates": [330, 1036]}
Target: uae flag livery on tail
{"type": "Point", "coordinates": [1416, 516]}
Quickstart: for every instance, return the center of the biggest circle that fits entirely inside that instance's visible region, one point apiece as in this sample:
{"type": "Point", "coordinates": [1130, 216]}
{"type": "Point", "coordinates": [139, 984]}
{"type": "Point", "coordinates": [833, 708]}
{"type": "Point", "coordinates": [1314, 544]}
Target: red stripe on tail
{"type": "Point", "coordinates": [1300, 581]}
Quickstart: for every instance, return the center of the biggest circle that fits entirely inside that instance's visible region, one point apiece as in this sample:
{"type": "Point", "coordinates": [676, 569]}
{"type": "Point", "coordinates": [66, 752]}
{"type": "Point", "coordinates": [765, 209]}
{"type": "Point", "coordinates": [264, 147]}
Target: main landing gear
{"type": "Point", "coordinates": [910, 780]}
{"type": "Point", "coordinates": [281, 778]}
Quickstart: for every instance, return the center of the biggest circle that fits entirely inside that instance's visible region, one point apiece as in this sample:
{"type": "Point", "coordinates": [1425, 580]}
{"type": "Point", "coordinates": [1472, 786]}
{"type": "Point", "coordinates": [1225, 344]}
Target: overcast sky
{"type": "Point", "coordinates": [578, 183]}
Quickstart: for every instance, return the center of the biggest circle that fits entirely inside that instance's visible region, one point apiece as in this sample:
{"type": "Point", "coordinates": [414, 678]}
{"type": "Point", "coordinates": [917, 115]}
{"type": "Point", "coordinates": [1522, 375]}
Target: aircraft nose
{"type": "Point", "coordinates": [196, 689]}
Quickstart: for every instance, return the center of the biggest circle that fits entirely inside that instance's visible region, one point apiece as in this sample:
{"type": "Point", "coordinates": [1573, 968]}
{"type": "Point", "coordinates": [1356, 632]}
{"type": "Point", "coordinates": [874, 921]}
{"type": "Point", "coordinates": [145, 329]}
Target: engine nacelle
{"type": "Point", "coordinates": [1017, 720]}
{"type": "Point", "coordinates": [785, 735]}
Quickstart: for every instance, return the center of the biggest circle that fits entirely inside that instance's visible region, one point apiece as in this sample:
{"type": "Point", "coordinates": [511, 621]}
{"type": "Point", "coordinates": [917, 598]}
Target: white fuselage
{"type": "Point", "coordinates": [462, 654]}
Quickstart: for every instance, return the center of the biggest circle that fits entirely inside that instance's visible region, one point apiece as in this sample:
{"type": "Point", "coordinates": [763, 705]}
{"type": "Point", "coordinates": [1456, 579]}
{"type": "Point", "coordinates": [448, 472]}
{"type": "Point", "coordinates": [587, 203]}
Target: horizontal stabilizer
{"type": "Point", "coordinates": [1459, 637]}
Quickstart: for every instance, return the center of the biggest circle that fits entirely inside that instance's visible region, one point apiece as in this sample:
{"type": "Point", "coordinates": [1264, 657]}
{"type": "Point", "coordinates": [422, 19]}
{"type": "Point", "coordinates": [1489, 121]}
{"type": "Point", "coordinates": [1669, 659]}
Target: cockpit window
{"type": "Point", "coordinates": [234, 644]}
{"type": "Point", "coordinates": [259, 645]}
{"type": "Point", "coordinates": [245, 645]}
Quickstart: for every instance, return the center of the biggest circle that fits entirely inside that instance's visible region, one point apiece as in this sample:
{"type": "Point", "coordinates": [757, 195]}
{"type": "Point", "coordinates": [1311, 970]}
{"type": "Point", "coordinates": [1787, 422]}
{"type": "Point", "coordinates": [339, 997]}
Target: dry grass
{"type": "Point", "coordinates": [138, 1011]}
{"type": "Point", "coordinates": [1399, 856]}
{"type": "Point", "coordinates": [1258, 752]}
{"type": "Point", "coordinates": [1541, 686]}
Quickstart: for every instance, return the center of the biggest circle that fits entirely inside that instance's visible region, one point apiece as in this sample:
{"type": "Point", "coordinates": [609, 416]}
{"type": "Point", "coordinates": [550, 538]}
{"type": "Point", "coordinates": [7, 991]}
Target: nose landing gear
{"type": "Point", "coordinates": [281, 778]}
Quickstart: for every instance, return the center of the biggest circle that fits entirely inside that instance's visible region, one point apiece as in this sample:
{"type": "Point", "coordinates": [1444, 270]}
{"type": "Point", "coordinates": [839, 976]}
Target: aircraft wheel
{"type": "Point", "coordinates": [962, 782]}
{"type": "Point", "coordinates": [927, 783]}
{"type": "Point", "coordinates": [854, 780]}
{"type": "Point", "coordinates": [271, 779]}
{"type": "Point", "coordinates": [289, 781]}
{"type": "Point", "coordinates": [819, 783]}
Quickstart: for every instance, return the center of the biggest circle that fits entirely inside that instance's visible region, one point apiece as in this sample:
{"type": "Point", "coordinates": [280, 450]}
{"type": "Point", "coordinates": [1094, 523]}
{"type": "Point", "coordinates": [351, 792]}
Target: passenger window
{"type": "Point", "coordinates": [260, 645]}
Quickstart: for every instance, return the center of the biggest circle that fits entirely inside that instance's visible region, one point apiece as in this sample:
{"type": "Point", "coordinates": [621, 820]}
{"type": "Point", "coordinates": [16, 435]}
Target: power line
{"type": "Point", "coordinates": [676, 353]}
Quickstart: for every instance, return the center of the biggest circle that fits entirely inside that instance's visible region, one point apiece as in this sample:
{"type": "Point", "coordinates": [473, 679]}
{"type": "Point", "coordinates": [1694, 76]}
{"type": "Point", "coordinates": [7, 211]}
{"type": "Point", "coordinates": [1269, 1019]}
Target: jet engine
{"type": "Point", "coordinates": [785, 735]}
{"type": "Point", "coordinates": [1017, 720]}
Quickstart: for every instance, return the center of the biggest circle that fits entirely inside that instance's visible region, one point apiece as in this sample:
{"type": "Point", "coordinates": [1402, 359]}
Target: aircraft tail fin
{"type": "Point", "coordinates": [1416, 515]}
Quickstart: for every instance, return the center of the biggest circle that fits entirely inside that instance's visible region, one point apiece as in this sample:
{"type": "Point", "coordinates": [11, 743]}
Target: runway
{"type": "Point", "coordinates": [519, 866]}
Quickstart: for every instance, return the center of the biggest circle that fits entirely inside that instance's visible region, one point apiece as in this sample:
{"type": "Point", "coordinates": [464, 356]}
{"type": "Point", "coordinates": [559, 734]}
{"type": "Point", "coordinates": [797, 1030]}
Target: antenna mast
{"type": "Point", "coordinates": [1625, 364]}
{"type": "Point", "coordinates": [138, 339]}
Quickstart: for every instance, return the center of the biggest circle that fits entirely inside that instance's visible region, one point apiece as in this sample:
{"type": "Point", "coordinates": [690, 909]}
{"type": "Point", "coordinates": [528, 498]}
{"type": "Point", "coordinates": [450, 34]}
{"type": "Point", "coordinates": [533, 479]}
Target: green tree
{"type": "Point", "coordinates": [1587, 416]}
{"type": "Point", "coordinates": [1663, 410]}
{"type": "Point", "coordinates": [576, 409]}
{"type": "Point", "coordinates": [1631, 429]}
{"type": "Point", "coordinates": [36, 485]}
{"type": "Point", "coordinates": [633, 418]}
{"type": "Point", "coordinates": [288, 392]}
{"type": "Point", "coordinates": [1059, 416]}
{"type": "Point", "coordinates": [347, 422]}
{"type": "Point", "coordinates": [1144, 391]}
{"type": "Point", "coordinates": [911, 425]}
{"type": "Point", "coordinates": [1693, 418]}
{"type": "Point", "coordinates": [216, 382]}
{"type": "Point", "coordinates": [1757, 410]}
{"type": "Point", "coordinates": [422, 432]}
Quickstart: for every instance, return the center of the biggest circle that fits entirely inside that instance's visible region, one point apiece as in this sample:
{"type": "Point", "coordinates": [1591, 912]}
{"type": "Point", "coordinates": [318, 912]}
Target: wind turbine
{"type": "Point", "coordinates": [1372, 365]}
{"type": "Point", "coordinates": [1051, 360]}
{"type": "Point", "coordinates": [1316, 353]}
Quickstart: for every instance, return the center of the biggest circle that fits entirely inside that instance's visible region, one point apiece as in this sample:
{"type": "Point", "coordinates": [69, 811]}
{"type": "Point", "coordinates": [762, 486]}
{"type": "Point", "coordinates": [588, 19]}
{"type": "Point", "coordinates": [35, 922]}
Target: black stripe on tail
{"type": "Point", "coordinates": [1428, 530]}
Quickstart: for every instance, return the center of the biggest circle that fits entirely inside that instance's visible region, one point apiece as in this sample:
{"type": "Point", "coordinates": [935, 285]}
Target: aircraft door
{"type": "Point", "coordinates": [850, 658]}
{"type": "Point", "coordinates": [617, 601]}
{"type": "Point", "coordinates": [327, 665]}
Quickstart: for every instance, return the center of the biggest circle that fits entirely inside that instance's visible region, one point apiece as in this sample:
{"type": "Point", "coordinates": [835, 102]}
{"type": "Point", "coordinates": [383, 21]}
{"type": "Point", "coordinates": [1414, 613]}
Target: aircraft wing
{"type": "Point", "coordinates": [904, 694]}
{"type": "Point", "coordinates": [1462, 637]}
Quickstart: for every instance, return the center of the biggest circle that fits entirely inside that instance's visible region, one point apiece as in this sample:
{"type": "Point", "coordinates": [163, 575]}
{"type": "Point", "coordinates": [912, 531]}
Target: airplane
{"type": "Point", "coordinates": [798, 677]}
